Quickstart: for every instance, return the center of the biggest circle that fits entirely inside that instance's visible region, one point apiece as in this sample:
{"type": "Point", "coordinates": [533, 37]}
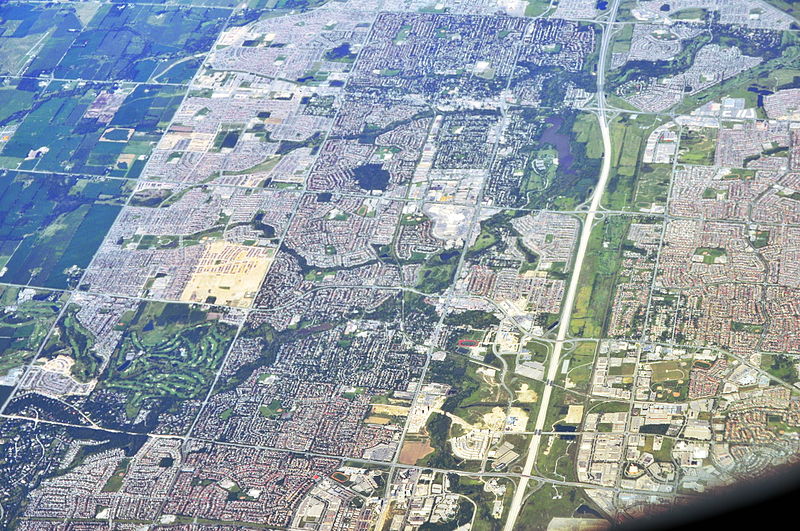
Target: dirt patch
{"type": "Point", "coordinates": [228, 273]}
{"type": "Point", "coordinates": [413, 451]}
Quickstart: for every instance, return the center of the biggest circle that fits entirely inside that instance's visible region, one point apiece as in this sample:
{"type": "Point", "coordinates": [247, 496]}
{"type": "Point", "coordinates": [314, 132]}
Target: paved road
{"type": "Point", "coordinates": [569, 301]}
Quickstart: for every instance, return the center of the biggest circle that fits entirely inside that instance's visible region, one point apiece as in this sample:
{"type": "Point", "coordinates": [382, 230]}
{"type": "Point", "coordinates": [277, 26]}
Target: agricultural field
{"type": "Point", "coordinates": [36, 36]}
{"type": "Point", "coordinates": [162, 47]}
{"type": "Point", "coordinates": [92, 128]}
{"type": "Point", "coordinates": [52, 224]}
{"type": "Point", "coordinates": [632, 186]}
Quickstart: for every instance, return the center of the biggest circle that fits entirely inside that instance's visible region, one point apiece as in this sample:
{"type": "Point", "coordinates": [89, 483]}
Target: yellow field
{"type": "Point", "coordinates": [388, 409]}
{"type": "Point", "coordinates": [377, 420]}
{"type": "Point", "coordinates": [230, 272]}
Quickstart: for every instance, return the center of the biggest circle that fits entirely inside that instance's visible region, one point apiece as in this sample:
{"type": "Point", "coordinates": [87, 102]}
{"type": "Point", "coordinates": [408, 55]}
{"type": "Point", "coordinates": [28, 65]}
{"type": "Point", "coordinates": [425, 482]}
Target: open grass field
{"type": "Point", "coordinates": [629, 135]}
{"type": "Point", "coordinates": [598, 277]}
{"type": "Point", "coordinates": [697, 146]}
{"type": "Point", "coordinates": [94, 128]}
{"type": "Point", "coordinates": [53, 224]}
{"type": "Point", "coordinates": [108, 49]}
{"type": "Point", "coordinates": [550, 501]}
{"type": "Point", "coordinates": [670, 370]}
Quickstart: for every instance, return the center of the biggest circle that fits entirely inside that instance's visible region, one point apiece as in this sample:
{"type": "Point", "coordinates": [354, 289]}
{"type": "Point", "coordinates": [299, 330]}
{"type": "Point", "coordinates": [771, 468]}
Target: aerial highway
{"type": "Point", "coordinates": [569, 301]}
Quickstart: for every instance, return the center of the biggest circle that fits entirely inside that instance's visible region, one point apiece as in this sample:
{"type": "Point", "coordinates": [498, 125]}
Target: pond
{"type": "Point", "coordinates": [553, 136]}
{"type": "Point", "coordinates": [371, 177]}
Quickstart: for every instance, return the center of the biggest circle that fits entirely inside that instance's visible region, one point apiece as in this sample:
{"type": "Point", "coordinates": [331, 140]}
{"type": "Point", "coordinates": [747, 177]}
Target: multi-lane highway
{"type": "Point", "coordinates": [569, 300]}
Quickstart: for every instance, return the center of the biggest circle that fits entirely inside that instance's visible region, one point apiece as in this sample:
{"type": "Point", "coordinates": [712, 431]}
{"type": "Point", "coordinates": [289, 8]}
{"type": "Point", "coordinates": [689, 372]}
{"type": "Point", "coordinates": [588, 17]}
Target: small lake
{"type": "Point", "coordinates": [552, 135]}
